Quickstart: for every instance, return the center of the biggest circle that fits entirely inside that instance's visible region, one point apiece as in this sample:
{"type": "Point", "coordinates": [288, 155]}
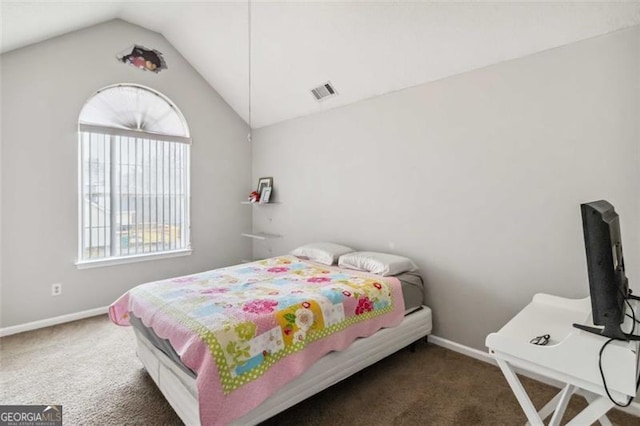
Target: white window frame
{"type": "Point", "coordinates": [81, 262]}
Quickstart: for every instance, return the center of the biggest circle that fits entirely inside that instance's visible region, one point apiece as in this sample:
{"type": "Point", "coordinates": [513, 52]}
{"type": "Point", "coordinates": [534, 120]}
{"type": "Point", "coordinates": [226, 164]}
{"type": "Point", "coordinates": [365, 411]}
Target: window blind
{"type": "Point", "coordinates": [134, 194]}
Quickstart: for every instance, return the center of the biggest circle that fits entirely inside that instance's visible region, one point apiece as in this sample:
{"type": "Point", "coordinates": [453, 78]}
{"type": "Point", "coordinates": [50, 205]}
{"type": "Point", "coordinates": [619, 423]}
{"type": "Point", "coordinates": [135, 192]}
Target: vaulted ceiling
{"type": "Point", "coordinates": [364, 48]}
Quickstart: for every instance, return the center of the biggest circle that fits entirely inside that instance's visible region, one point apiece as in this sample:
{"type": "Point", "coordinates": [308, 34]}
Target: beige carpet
{"type": "Point", "coordinates": [90, 367]}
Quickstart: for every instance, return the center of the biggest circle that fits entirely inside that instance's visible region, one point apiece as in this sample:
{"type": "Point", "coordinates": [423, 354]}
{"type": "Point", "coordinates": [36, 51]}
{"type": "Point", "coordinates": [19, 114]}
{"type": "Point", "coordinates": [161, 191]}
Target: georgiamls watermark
{"type": "Point", "coordinates": [30, 415]}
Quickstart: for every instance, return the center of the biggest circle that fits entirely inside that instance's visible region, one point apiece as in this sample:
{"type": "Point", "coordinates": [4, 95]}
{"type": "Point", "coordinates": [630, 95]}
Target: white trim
{"type": "Point", "coordinates": [464, 350]}
{"type": "Point", "coordinates": [106, 130]}
{"type": "Point", "coordinates": [633, 409]}
{"type": "Point", "coordinates": [109, 261]}
{"type": "Point", "coordinates": [15, 329]}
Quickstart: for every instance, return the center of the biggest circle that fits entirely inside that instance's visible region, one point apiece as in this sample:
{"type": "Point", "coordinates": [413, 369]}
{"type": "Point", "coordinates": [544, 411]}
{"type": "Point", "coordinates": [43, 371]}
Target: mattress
{"type": "Point", "coordinates": [412, 293]}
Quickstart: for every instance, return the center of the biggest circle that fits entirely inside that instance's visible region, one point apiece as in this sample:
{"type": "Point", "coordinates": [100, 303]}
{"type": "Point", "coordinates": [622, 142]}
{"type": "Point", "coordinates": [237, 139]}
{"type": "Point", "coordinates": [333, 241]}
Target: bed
{"type": "Point", "coordinates": [374, 317]}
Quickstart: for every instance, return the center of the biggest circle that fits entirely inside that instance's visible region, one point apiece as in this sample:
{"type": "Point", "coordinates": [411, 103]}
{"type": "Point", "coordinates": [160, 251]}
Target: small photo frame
{"type": "Point", "coordinates": [263, 183]}
{"type": "Point", "coordinates": [265, 195]}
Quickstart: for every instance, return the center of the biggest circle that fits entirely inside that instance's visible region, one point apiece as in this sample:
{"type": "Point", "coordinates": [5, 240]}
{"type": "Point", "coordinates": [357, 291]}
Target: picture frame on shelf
{"type": "Point", "coordinates": [264, 182]}
{"type": "Point", "coordinates": [265, 195]}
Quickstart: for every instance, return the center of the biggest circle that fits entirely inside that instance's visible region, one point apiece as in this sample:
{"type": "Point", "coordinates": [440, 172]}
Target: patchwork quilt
{"type": "Point", "coordinates": [247, 330]}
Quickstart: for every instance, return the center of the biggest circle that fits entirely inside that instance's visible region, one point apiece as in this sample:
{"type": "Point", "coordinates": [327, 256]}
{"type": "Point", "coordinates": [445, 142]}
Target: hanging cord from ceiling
{"type": "Point", "coordinates": [249, 62]}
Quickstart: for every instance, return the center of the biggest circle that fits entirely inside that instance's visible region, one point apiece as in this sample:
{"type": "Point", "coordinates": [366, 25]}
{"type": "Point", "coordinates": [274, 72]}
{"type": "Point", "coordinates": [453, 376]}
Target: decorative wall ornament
{"type": "Point", "coordinates": [143, 58]}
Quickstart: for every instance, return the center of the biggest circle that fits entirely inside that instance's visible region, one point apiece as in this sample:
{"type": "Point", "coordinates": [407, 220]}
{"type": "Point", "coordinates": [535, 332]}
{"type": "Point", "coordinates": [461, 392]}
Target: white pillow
{"type": "Point", "coordinates": [377, 263]}
{"type": "Point", "coordinates": [325, 253]}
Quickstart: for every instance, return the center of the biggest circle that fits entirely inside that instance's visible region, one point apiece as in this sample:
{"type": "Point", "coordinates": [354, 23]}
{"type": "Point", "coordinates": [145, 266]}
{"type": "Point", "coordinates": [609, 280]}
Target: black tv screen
{"type": "Point", "coordinates": [608, 284]}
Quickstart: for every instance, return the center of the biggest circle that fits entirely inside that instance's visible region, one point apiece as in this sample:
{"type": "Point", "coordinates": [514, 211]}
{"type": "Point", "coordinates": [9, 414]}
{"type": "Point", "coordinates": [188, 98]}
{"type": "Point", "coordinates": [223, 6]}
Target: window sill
{"type": "Point", "coordinates": [85, 264]}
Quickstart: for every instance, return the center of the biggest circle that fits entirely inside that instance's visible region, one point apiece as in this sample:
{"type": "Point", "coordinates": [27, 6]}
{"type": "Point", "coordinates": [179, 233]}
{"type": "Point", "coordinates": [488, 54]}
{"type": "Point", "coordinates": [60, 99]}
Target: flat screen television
{"type": "Point", "coordinates": [608, 284]}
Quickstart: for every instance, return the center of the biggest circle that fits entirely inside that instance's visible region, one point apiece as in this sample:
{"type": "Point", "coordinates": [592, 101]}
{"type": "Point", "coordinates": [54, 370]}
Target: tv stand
{"type": "Point", "coordinates": [612, 329]}
{"type": "Point", "coordinates": [570, 357]}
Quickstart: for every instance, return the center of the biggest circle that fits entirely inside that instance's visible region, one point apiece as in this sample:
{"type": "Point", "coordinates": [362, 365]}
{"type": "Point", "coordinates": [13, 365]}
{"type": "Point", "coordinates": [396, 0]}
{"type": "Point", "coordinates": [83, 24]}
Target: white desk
{"type": "Point", "coordinates": [571, 356]}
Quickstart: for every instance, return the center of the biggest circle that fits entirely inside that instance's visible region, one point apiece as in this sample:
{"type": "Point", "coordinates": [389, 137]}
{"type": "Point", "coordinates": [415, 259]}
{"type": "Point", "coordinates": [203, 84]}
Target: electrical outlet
{"type": "Point", "coordinates": [56, 289]}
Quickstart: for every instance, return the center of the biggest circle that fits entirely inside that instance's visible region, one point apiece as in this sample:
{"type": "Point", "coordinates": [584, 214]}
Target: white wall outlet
{"type": "Point", "coordinates": [392, 245]}
{"type": "Point", "coordinates": [56, 289]}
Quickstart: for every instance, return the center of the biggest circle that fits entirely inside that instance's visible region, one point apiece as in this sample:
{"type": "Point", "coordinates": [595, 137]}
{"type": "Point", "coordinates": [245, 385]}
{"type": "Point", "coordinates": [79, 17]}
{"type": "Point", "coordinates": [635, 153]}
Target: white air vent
{"type": "Point", "coordinates": [324, 91]}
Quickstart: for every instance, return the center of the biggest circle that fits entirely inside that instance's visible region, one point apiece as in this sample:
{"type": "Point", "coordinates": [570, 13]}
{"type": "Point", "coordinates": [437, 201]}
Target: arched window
{"type": "Point", "coordinates": [133, 176]}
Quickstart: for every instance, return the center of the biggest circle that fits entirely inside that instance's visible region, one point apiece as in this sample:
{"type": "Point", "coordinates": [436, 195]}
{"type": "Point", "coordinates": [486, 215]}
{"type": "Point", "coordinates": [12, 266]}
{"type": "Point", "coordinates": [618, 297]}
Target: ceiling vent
{"type": "Point", "coordinates": [324, 91]}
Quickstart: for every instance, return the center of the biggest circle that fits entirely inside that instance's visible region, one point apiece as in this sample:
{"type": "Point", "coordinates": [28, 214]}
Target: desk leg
{"type": "Point", "coordinates": [551, 406]}
{"type": "Point", "coordinates": [590, 397]}
{"type": "Point", "coordinates": [524, 400]}
{"type": "Point", "coordinates": [596, 409]}
{"type": "Point", "coordinates": [565, 396]}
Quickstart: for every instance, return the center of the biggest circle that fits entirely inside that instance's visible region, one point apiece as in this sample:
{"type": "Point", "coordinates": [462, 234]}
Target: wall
{"type": "Point", "coordinates": [477, 177]}
{"type": "Point", "coordinates": [44, 88]}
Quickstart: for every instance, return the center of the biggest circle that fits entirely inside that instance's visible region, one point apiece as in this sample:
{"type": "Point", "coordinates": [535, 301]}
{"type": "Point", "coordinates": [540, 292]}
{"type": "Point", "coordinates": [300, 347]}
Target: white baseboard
{"type": "Point", "coordinates": [14, 329]}
{"type": "Point", "coordinates": [633, 409]}
{"type": "Point", "coordinates": [465, 350]}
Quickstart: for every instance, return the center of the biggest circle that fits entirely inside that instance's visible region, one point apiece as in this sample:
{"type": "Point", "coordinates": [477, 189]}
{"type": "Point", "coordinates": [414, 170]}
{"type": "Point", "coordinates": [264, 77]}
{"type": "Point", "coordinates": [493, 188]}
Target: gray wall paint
{"type": "Point", "coordinates": [477, 177]}
{"type": "Point", "coordinates": [44, 88]}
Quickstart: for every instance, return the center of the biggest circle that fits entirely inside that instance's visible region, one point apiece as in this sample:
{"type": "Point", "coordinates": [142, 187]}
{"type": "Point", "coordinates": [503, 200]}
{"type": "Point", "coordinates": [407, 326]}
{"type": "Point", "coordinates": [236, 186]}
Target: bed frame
{"type": "Point", "coordinates": [180, 389]}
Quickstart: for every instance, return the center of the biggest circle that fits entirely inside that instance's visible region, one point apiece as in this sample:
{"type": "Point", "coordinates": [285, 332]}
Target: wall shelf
{"type": "Point", "coordinates": [260, 235]}
{"type": "Point", "coordinates": [264, 238]}
{"type": "Point", "coordinates": [259, 204]}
